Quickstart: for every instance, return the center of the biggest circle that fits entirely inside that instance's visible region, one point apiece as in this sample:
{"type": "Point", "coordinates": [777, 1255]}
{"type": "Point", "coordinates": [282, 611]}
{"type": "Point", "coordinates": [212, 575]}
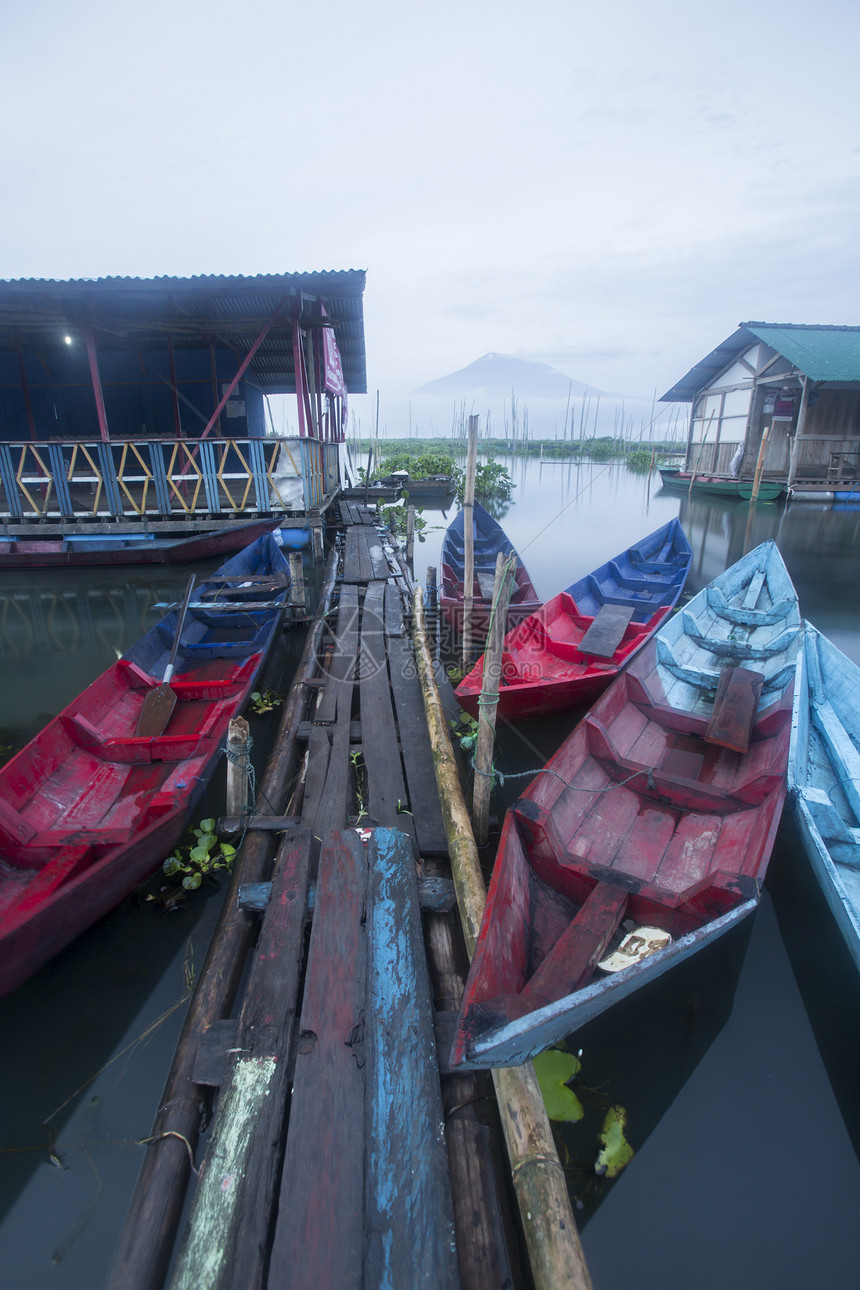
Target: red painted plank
{"type": "Point", "coordinates": [319, 1235]}
{"type": "Point", "coordinates": [571, 962]}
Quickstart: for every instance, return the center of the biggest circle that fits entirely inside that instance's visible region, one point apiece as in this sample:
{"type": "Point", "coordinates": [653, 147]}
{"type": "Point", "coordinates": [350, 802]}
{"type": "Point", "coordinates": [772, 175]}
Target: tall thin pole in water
{"type": "Point", "coordinates": [469, 538]}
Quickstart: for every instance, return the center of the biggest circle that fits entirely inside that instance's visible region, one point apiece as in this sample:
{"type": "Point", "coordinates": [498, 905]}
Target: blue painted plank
{"type": "Point", "coordinates": [409, 1216]}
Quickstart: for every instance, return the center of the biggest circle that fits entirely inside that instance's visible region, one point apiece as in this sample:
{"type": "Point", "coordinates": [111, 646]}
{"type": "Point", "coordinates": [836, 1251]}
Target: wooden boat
{"type": "Point", "coordinates": [489, 540]}
{"type": "Point", "coordinates": [89, 808]}
{"type": "Point", "coordinates": [661, 808]}
{"type": "Point", "coordinates": [824, 777]}
{"type": "Point", "coordinates": [82, 549]}
{"type": "Point", "coordinates": [568, 651]}
{"type": "Point", "coordinates": [429, 486]}
{"type": "Point", "coordinates": [769, 490]}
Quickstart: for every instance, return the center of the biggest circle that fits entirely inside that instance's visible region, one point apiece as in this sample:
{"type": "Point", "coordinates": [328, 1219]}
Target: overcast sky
{"type": "Point", "coordinates": [609, 187]}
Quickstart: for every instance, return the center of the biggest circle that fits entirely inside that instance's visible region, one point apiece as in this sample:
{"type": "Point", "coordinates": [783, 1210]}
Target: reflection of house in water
{"type": "Point", "coordinates": [125, 399]}
{"type": "Point", "coordinates": [799, 383]}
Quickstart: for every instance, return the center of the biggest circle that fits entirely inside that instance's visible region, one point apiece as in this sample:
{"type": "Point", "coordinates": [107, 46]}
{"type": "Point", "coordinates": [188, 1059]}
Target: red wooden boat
{"type": "Point", "coordinates": [89, 808]}
{"type": "Point", "coordinates": [87, 549]}
{"type": "Point", "coordinates": [568, 651]}
{"type": "Point", "coordinates": [660, 808]}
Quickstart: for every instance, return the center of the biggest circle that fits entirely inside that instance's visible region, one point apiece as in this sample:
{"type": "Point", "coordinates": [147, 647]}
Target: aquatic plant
{"type": "Point", "coordinates": [555, 1069]}
{"type": "Point", "coordinates": [202, 859]}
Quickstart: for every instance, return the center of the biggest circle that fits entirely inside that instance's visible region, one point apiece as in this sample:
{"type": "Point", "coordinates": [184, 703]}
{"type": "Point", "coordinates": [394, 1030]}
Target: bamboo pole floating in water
{"type": "Point", "coordinates": [555, 1252]}
{"type": "Point", "coordinates": [146, 1243]}
{"type": "Point", "coordinates": [489, 700]}
{"type": "Point", "coordinates": [469, 539]}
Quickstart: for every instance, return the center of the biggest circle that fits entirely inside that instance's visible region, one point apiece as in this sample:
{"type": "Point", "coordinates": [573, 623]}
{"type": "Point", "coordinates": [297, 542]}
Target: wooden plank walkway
{"type": "Point", "coordinates": [329, 1159]}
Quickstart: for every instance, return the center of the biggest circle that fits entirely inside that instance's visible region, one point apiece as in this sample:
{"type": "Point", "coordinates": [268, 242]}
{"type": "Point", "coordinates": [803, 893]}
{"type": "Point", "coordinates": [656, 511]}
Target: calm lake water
{"type": "Point", "coordinates": [738, 1072]}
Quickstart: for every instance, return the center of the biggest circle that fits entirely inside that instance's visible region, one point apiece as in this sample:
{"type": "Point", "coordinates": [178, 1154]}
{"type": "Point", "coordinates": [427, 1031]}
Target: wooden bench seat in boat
{"type": "Point", "coordinates": [735, 708]}
{"type": "Point", "coordinates": [606, 631]}
{"type": "Point", "coordinates": [663, 783]}
{"type": "Point", "coordinates": [138, 748]}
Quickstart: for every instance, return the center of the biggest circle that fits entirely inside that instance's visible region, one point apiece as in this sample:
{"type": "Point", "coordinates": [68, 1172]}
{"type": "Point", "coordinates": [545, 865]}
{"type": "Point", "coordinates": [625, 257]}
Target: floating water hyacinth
{"type": "Point", "coordinates": [616, 1151]}
{"type": "Point", "coordinates": [554, 1069]}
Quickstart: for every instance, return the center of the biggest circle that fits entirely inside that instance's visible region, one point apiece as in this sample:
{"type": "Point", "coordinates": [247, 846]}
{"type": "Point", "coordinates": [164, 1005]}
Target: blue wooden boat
{"type": "Point", "coordinates": [648, 834]}
{"type": "Point", "coordinates": [568, 651]}
{"type": "Point", "coordinates": [824, 777]}
{"type": "Point", "coordinates": [233, 614]}
{"type": "Point", "coordinates": [489, 540]}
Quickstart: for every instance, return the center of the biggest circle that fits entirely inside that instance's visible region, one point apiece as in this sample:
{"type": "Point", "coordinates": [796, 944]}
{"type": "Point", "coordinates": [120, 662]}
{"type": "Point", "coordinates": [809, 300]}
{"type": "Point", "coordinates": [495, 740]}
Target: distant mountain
{"type": "Point", "coordinates": [499, 374]}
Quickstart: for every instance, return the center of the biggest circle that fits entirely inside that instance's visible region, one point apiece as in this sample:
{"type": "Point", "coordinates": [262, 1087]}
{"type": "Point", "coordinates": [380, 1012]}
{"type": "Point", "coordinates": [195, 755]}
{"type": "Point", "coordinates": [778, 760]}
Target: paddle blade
{"type": "Point", "coordinates": [156, 711]}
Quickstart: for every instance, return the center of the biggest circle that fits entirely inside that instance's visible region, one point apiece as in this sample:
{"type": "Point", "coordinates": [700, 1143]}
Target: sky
{"type": "Point", "coordinates": [607, 188]}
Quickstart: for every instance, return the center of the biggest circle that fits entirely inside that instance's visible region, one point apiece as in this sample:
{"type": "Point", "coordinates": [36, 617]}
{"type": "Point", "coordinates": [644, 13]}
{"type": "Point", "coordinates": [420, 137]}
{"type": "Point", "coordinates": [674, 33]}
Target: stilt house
{"type": "Point", "coordinates": [796, 384]}
{"type": "Point", "coordinates": [144, 399]}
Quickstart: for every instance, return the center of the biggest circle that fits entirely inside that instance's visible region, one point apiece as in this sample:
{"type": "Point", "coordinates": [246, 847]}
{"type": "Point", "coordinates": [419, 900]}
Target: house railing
{"type": "Point", "coordinates": [163, 478]}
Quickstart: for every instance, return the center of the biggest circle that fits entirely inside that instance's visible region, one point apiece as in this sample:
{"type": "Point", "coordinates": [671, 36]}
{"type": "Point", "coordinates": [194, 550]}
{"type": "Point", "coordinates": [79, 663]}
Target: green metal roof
{"type": "Point", "coordinates": [822, 353]}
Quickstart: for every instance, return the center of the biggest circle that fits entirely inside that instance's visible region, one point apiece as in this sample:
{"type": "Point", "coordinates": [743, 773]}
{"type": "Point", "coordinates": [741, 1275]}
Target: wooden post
{"type": "Point", "coordinates": [694, 472]}
{"type": "Point", "coordinates": [410, 533]}
{"type": "Point", "coordinates": [469, 539]}
{"type": "Point", "coordinates": [297, 581]}
{"type": "Point", "coordinates": [238, 761]}
{"type": "Point", "coordinates": [489, 700]}
{"type": "Point", "coordinates": [431, 586]}
{"type": "Point", "coordinates": [759, 466]}
{"type": "Point", "coordinates": [549, 1226]}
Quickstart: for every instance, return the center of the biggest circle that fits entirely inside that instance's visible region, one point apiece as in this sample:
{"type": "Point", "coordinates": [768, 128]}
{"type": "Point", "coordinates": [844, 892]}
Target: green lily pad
{"type": "Point", "coordinates": [616, 1151]}
{"type": "Point", "coordinates": [553, 1069]}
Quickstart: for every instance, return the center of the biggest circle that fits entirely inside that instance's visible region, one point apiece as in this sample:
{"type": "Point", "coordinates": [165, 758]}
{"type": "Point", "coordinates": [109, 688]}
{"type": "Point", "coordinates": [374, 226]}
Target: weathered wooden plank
{"type": "Point", "coordinates": [340, 671]}
{"type": "Point", "coordinates": [435, 895]}
{"type": "Point", "coordinates": [386, 788]}
{"type": "Point", "coordinates": [230, 825]}
{"type": "Point", "coordinates": [334, 803]}
{"type": "Point", "coordinates": [305, 728]}
{"type": "Point", "coordinates": [607, 628]}
{"type": "Point", "coordinates": [414, 738]}
{"type": "Point", "coordinates": [571, 961]}
{"type": "Point", "coordinates": [352, 555]}
{"type": "Point", "coordinates": [228, 1234]}
{"type": "Point", "coordinates": [210, 1064]}
{"type": "Point", "coordinates": [735, 707]}
{"type": "Point", "coordinates": [409, 1218]}
{"type": "Point", "coordinates": [320, 1228]}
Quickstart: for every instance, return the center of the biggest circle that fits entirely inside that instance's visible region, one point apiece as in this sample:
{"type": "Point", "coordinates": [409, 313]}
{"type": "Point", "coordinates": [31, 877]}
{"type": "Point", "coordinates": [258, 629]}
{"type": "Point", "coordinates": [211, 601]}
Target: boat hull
{"type": "Point", "coordinates": [824, 778]}
{"type": "Point", "coordinates": [490, 541]}
{"type": "Point", "coordinates": [648, 813]}
{"type": "Point", "coordinates": [546, 663]}
{"type": "Point", "coordinates": [89, 808]}
{"type": "Point", "coordinates": [129, 549]}
{"type": "Point", "coordinates": [769, 490]}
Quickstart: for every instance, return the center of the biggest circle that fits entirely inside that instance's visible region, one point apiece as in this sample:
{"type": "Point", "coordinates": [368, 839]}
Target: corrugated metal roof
{"type": "Point", "coordinates": [231, 310]}
{"type": "Point", "coordinates": [823, 353]}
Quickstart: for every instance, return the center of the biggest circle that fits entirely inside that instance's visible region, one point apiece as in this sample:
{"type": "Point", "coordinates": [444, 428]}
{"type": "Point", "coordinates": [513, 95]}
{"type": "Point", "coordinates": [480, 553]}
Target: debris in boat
{"type": "Point", "coordinates": [554, 1069]}
{"type": "Point", "coordinates": [637, 945]}
{"type": "Point", "coordinates": [616, 1151]}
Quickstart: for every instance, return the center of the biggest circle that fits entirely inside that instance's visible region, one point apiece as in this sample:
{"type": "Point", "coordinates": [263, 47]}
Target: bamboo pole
{"type": "Point", "coordinates": [554, 1249]}
{"type": "Point", "coordinates": [489, 700]}
{"type": "Point", "coordinates": [469, 538]}
{"type": "Point", "coordinates": [759, 466]}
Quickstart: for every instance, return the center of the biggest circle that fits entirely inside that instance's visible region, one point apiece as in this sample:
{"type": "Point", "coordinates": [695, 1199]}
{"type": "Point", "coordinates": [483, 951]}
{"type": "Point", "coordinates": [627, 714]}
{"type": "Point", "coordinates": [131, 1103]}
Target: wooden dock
{"type": "Point", "coordinates": [341, 1151]}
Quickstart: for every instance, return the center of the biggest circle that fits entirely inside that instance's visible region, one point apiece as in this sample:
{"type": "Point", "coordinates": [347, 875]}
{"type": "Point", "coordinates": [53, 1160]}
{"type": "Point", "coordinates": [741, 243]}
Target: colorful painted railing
{"type": "Point", "coordinates": [73, 479]}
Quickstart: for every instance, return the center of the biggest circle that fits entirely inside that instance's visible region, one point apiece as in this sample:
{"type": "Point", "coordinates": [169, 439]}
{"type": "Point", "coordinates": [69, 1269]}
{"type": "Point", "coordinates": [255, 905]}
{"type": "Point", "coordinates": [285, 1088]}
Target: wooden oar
{"type": "Point", "coordinates": [160, 702]}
